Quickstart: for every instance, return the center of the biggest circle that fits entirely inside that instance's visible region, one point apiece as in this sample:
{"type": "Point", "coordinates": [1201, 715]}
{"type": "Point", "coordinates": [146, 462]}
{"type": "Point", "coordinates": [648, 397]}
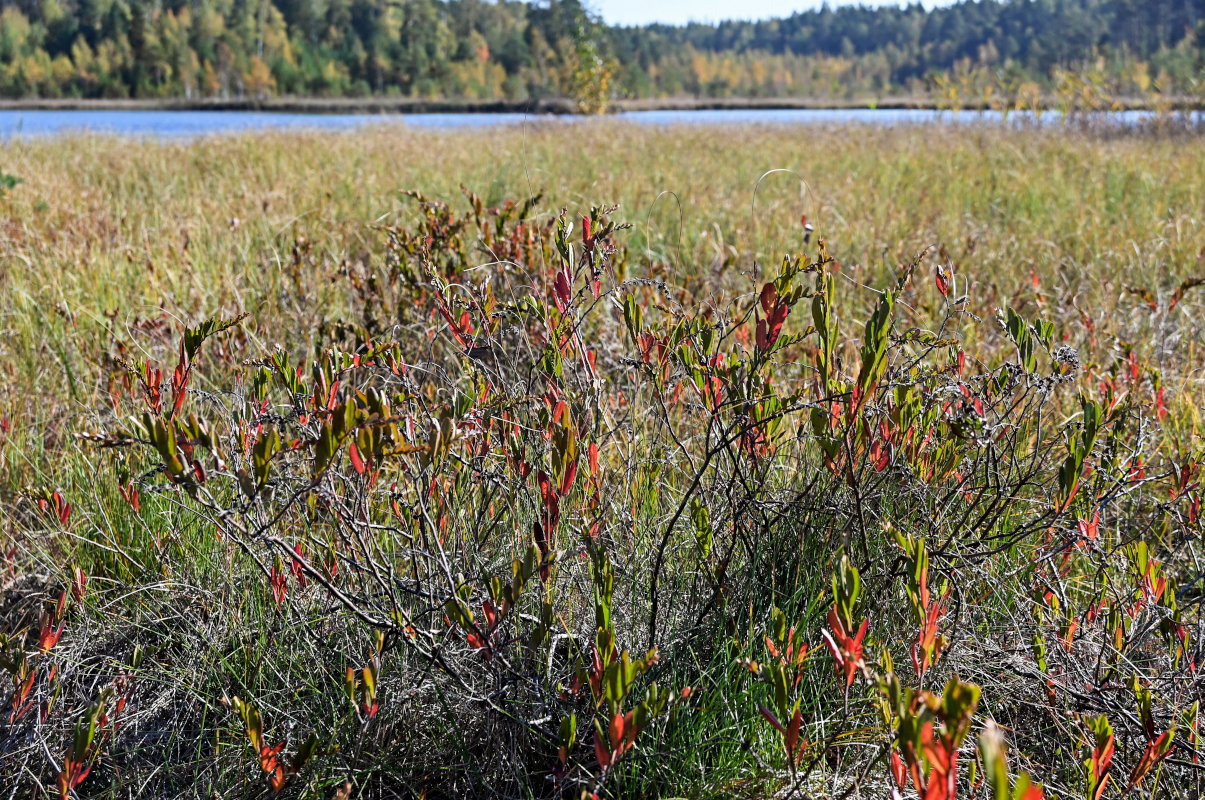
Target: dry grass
{"type": "Point", "coordinates": [110, 247]}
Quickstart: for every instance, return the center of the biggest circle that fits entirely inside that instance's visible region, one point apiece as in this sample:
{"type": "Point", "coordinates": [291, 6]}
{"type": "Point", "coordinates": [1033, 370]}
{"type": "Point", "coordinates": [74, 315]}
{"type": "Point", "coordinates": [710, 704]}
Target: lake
{"type": "Point", "coordinates": [168, 124]}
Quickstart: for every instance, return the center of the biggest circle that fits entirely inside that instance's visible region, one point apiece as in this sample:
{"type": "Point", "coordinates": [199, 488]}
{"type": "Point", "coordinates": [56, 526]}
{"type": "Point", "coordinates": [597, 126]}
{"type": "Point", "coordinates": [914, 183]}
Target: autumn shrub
{"type": "Point", "coordinates": [543, 527]}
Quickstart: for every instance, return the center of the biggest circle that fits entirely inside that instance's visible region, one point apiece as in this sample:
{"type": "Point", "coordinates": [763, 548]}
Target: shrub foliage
{"type": "Point", "coordinates": [536, 525]}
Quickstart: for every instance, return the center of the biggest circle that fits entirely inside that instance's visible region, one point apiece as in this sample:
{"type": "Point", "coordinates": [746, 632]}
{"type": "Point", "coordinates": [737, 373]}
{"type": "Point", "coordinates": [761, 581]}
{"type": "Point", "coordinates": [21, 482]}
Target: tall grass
{"type": "Point", "coordinates": [189, 628]}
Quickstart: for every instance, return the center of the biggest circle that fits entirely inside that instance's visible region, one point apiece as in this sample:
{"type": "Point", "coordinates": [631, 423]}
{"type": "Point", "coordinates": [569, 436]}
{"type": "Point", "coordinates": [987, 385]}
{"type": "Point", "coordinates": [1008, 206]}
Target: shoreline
{"type": "Point", "coordinates": [543, 107]}
{"type": "Point", "coordinates": [294, 105]}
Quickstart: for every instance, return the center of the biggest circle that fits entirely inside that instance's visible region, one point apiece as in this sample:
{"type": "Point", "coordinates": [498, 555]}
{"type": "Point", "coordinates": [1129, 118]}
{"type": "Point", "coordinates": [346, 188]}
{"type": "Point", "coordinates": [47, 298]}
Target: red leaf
{"type": "Point", "coordinates": [267, 757]}
{"type": "Point", "coordinates": [792, 736]}
{"type": "Point", "coordinates": [452, 324]}
{"type": "Point", "coordinates": [600, 752]}
{"type": "Point", "coordinates": [357, 462]}
{"type": "Point", "coordinates": [62, 508]}
{"type": "Point", "coordinates": [592, 451]}
{"type": "Point", "coordinates": [1034, 792]}
{"type": "Point", "coordinates": [79, 585]}
{"type": "Point", "coordinates": [1151, 757]}
{"type": "Point", "coordinates": [1101, 762]}
{"type": "Point", "coordinates": [19, 704]}
{"type": "Point", "coordinates": [846, 649]}
{"type": "Point", "coordinates": [297, 566]}
{"type": "Point", "coordinates": [73, 775]}
{"type": "Point", "coordinates": [563, 288]}
{"type": "Point", "coordinates": [49, 637]}
{"type": "Point", "coordinates": [776, 321]}
{"type": "Point", "coordinates": [769, 298]}
{"type": "Point", "coordinates": [180, 381]}
{"type": "Point", "coordinates": [1088, 529]}
{"type": "Point", "coordinates": [617, 723]}
{"type": "Point", "coordinates": [279, 588]}
{"type": "Point", "coordinates": [898, 772]}
{"type": "Point", "coordinates": [943, 283]}
{"type": "Point", "coordinates": [567, 481]}
{"type": "Point", "coordinates": [773, 720]}
{"type": "Point", "coordinates": [552, 505]}
{"type": "Point", "coordinates": [130, 494]}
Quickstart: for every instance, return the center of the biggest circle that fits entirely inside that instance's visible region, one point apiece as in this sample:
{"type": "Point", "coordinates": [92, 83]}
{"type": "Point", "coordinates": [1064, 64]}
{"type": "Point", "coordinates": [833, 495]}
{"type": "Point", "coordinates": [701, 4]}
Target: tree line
{"type": "Point", "coordinates": [477, 50]}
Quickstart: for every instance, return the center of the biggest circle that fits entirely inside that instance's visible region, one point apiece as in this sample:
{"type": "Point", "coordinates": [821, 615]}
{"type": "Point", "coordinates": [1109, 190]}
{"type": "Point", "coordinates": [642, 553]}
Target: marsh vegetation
{"type": "Point", "coordinates": [598, 459]}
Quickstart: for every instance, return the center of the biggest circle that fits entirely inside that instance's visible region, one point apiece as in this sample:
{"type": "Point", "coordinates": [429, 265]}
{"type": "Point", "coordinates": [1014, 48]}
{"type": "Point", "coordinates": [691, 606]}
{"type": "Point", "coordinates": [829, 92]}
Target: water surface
{"type": "Point", "coordinates": [169, 124]}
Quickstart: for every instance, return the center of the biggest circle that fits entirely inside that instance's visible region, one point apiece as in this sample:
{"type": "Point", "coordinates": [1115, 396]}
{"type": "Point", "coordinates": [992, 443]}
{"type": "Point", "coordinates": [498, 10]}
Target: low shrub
{"type": "Point", "coordinates": [521, 523]}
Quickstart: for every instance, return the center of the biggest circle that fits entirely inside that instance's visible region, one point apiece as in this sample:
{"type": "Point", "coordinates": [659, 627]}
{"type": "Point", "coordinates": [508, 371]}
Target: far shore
{"type": "Point", "coordinates": [549, 106]}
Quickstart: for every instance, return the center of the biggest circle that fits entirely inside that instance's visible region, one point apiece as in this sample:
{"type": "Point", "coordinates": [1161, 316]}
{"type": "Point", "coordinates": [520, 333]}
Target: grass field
{"type": "Point", "coordinates": [408, 515]}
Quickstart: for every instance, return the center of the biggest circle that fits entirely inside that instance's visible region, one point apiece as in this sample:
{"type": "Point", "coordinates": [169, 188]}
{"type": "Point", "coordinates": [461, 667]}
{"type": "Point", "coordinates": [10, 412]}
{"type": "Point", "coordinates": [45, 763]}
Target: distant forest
{"type": "Point", "coordinates": [474, 50]}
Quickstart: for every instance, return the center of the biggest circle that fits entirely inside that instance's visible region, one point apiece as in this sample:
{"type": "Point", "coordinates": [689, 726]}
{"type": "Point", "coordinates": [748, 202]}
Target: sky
{"type": "Point", "coordinates": [679, 12]}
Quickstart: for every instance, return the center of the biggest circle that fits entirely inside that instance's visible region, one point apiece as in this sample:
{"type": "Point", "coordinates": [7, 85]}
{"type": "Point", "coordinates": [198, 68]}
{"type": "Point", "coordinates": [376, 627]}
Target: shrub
{"type": "Point", "coordinates": [547, 528]}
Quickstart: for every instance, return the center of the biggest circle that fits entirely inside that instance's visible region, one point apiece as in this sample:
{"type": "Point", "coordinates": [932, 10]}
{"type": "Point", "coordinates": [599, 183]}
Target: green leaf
{"type": "Point", "coordinates": [633, 317]}
{"type": "Point", "coordinates": [195, 336]}
{"type": "Point", "coordinates": [568, 731]}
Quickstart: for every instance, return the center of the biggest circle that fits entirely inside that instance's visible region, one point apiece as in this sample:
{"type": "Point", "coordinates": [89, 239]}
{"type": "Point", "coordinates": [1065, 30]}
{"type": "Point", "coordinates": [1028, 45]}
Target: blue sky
{"type": "Point", "coordinates": [678, 12]}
